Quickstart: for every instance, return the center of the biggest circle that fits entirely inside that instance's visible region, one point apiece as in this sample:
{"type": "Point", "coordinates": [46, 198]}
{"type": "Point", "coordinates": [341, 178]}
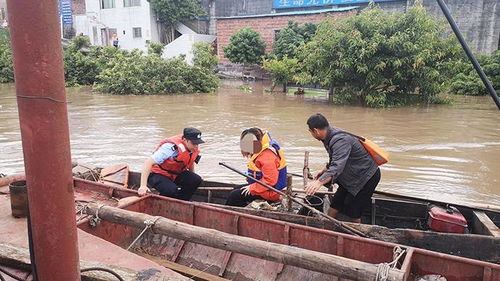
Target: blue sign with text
{"type": "Point", "coordinates": [66, 12]}
{"type": "Point", "coordinates": [283, 4]}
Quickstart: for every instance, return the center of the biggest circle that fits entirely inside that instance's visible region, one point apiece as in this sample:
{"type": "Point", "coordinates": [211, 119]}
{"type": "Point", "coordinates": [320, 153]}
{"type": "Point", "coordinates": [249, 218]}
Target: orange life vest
{"type": "Point", "coordinates": [172, 167]}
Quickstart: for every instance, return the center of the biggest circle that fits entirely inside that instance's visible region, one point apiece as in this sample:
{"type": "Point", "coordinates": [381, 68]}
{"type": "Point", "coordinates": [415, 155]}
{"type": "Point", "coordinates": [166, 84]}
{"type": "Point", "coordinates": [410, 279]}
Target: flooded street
{"type": "Point", "coordinates": [441, 152]}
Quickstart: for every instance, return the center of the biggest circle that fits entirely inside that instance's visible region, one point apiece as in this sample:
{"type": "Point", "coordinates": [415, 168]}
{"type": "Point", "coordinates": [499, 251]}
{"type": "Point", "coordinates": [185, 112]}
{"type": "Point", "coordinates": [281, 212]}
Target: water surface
{"type": "Point", "coordinates": [440, 152]}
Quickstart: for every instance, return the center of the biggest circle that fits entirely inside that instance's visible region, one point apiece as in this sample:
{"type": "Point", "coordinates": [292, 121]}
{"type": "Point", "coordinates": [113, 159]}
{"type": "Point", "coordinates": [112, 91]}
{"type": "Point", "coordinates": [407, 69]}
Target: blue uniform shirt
{"type": "Point", "coordinates": [165, 152]}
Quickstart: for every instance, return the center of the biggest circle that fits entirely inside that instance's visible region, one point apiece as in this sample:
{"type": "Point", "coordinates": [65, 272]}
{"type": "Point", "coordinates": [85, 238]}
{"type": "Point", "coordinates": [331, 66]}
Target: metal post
{"type": "Point", "coordinates": [474, 61]}
{"type": "Point", "coordinates": [39, 75]}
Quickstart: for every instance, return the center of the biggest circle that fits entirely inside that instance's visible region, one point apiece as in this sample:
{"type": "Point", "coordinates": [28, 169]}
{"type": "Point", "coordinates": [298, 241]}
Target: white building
{"type": "Point", "coordinates": [135, 25]}
{"type": "Point", "coordinates": [132, 21]}
{"type": "Point", "coordinates": [3, 13]}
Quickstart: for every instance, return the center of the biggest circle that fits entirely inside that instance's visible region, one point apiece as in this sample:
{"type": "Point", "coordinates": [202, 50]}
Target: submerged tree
{"type": "Point", "coordinates": [6, 68]}
{"type": "Point", "coordinates": [203, 55]}
{"type": "Point", "coordinates": [283, 71]}
{"type": "Point", "coordinates": [466, 81]}
{"type": "Point", "coordinates": [379, 58]}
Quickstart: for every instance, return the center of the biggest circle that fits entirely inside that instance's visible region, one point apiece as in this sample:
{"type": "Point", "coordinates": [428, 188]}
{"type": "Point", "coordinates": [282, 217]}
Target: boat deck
{"type": "Point", "coordinates": [91, 248]}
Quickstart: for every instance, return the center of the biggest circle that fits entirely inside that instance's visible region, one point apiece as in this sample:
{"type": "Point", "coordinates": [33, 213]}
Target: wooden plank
{"type": "Point", "coordinates": [482, 224]}
{"type": "Point", "coordinates": [228, 254]}
{"type": "Point", "coordinates": [406, 266]}
{"type": "Point", "coordinates": [190, 272]}
{"type": "Point", "coordinates": [178, 250]}
{"type": "Point", "coordinates": [303, 258]}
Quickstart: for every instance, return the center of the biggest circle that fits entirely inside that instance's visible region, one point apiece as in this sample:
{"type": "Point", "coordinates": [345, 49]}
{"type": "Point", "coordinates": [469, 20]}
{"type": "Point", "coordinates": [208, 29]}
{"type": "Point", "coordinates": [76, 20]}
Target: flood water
{"type": "Point", "coordinates": [442, 152]}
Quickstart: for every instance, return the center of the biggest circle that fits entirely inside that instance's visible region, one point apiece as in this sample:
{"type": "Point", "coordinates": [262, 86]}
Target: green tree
{"type": "Point", "coordinates": [245, 47]}
{"type": "Point", "coordinates": [291, 37]}
{"type": "Point", "coordinates": [170, 12]}
{"type": "Point", "coordinates": [204, 55]}
{"type": "Point", "coordinates": [6, 68]}
{"type": "Point", "coordinates": [156, 48]}
{"type": "Point", "coordinates": [381, 59]}
{"type": "Point", "coordinates": [466, 80]}
{"type": "Point", "coordinates": [137, 74]}
{"type": "Point", "coordinates": [283, 71]}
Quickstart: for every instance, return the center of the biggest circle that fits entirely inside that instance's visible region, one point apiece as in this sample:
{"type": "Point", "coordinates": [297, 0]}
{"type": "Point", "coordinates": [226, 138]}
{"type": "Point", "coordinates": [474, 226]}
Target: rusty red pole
{"type": "Point", "coordinates": [43, 116]}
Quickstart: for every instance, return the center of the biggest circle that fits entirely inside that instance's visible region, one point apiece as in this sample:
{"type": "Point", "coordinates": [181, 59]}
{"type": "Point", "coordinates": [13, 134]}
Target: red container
{"type": "Point", "coordinates": [448, 220]}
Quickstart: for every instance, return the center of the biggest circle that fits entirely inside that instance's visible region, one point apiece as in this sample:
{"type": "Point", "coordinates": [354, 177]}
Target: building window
{"type": "Point", "coordinates": [137, 32]}
{"type": "Point", "coordinates": [107, 4]}
{"type": "Point", "coordinates": [131, 3]}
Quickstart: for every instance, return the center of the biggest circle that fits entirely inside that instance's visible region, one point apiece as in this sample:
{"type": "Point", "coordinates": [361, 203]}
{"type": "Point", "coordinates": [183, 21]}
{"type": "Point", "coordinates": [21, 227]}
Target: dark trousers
{"type": "Point", "coordinates": [353, 206]}
{"type": "Point", "coordinates": [183, 187]}
{"type": "Point", "coordinates": [239, 200]}
{"type": "Point", "coordinates": [345, 202]}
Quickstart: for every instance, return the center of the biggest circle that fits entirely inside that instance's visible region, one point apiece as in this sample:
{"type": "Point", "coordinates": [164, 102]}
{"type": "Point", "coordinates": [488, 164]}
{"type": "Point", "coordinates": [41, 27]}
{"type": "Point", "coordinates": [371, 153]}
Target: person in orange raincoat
{"type": "Point", "coordinates": [266, 163]}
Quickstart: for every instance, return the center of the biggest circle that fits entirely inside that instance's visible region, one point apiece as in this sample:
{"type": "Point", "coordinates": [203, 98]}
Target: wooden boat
{"type": "Point", "coordinates": [200, 257]}
{"type": "Point", "coordinates": [399, 219]}
{"type": "Point", "coordinates": [392, 218]}
{"type": "Point", "coordinates": [227, 263]}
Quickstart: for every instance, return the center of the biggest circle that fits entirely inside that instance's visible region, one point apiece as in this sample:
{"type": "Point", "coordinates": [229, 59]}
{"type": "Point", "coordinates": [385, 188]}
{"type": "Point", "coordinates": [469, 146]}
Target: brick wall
{"type": "Point", "coordinates": [78, 7]}
{"type": "Point", "coordinates": [266, 26]}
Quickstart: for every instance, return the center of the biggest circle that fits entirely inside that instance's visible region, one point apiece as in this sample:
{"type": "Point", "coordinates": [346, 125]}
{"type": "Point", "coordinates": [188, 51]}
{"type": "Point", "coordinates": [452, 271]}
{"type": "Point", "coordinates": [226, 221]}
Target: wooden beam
{"type": "Point", "coordinates": [315, 261]}
{"type": "Point", "coordinates": [187, 271]}
{"type": "Point", "coordinates": [482, 224]}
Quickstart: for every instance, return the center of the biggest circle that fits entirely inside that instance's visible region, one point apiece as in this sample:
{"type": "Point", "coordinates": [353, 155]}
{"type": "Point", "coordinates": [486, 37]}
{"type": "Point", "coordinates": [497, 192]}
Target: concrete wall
{"type": "Point", "coordinates": [479, 21]}
{"type": "Point", "coordinates": [230, 8]}
{"type": "Point", "coordinates": [266, 26]}
{"type": "Point", "coordinates": [184, 45]}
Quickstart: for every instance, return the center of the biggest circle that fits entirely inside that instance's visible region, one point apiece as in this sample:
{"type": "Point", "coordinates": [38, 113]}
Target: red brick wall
{"type": "Point", "coordinates": [266, 26]}
{"type": "Point", "coordinates": [78, 7]}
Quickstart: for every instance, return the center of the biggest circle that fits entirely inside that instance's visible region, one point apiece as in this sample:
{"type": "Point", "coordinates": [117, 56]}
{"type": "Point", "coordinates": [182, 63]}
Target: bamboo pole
{"type": "Point", "coordinates": [315, 261]}
{"type": "Point", "coordinates": [339, 226]}
{"type": "Point", "coordinates": [305, 170]}
{"type": "Point", "coordinates": [289, 191]}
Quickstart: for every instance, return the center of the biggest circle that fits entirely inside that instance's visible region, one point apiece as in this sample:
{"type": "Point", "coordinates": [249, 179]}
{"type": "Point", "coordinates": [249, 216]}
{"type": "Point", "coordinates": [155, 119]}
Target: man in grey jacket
{"type": "Point", "coordinates": [350, 166]}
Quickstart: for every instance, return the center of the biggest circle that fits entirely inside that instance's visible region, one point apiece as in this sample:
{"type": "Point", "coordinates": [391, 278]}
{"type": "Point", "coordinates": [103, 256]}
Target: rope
{"type": "Point", "coordinates": [96, 220]}
{"type": "Point", "coordinates": [103, 269]}
{"type": "Point", "coordinates": [82, 271]}
{"type": "Point", "coordinates": [81, 210]}
{"type": "Point", "coordinates": [306, 200]}
{"type": "Point", "coordinates": [384, 268]}
{"type": "Point", "coordinates": [149, 224]}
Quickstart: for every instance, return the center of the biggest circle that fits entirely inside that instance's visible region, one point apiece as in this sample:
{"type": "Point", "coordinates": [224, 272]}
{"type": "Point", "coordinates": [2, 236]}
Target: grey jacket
{"type": "Point", "coordinates": [350, 165]}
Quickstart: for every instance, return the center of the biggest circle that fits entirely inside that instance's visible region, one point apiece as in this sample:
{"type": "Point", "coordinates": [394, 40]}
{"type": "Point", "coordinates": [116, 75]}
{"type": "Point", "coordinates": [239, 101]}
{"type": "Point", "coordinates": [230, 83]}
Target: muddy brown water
{"type": "Point", "coordinates": [439, 152]}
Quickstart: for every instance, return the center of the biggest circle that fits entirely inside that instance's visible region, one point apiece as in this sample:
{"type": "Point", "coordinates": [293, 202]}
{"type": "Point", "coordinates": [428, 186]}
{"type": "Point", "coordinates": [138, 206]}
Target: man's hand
{"type": "Point", "coordinates": [319, 174]}
{"type": "Point", "coordinates": [245, 191]}
{"type": "Point", "coordinates": [143, 190]}
{"type": "Point", "coordinates": [312, 187]}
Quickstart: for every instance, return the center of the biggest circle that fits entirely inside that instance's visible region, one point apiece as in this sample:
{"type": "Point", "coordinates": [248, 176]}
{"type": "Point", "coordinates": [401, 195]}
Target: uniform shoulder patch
{"type": "Point", "coordinates": [174, 147]}
{"type": "Point", "coordinates": [182, 147]}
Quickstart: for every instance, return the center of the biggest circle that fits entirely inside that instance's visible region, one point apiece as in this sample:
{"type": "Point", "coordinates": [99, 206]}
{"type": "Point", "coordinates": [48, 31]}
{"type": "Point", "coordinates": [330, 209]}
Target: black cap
{"type": "Point", "coordinates": [192, 134]}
